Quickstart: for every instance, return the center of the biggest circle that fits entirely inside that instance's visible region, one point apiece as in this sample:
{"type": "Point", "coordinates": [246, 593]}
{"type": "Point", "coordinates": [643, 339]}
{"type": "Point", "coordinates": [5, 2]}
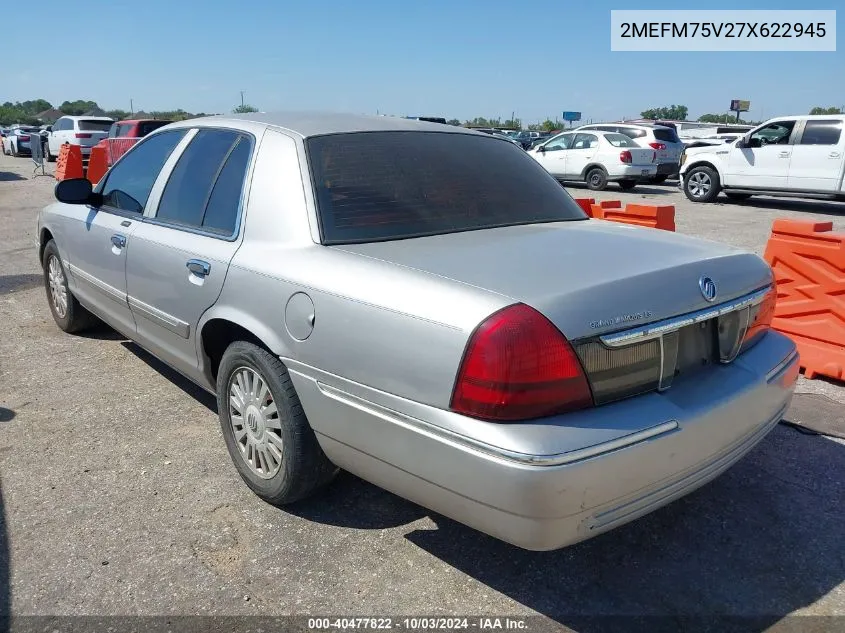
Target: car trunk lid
{"type": "Point", "coordinates": [587, 277]}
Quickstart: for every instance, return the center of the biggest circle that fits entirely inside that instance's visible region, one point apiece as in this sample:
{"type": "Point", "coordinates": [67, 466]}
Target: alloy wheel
{"type": "Point", "coordinates": [255, 422]}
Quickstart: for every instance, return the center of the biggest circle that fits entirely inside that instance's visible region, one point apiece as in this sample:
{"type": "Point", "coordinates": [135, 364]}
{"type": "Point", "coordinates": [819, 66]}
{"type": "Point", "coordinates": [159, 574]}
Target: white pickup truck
{"type": "Point", "coordinates": [792, 156]}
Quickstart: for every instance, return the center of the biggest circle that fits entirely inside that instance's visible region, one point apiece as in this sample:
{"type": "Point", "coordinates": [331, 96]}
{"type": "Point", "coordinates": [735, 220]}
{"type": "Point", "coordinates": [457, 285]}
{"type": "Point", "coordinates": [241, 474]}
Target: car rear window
{"type": "Point", "coordinates": [667, 135]}
{"type": "Point", "coordinates": [619, 140]}
{"type": "Point", "coordinates": [374, 186]}
{"type": "Point", "coordinates": [94, 126]}
{"type": "Point", "coordinates": [148, 126]}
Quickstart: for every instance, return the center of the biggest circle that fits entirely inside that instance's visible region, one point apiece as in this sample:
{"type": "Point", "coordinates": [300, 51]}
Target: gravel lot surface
{"type": "Point", "coordinates": [119, 497]}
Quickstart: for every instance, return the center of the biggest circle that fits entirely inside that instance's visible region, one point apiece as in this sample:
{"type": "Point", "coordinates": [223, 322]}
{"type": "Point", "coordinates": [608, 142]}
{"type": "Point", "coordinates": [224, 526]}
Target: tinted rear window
{"type": "Point", "coordinates": [667, 135]}
{"type": "Point", "coordinates": [148, 126]}
{"type": "Point", "coordinates": [373, 186]}
{"type": "Point", "coordinates": [94, 126]}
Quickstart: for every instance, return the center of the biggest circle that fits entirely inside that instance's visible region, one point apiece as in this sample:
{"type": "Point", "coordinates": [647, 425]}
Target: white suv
{"type": "Point", "coordinates": [661, 138]}
{"type": "Point", "coordinates": [85, 131]}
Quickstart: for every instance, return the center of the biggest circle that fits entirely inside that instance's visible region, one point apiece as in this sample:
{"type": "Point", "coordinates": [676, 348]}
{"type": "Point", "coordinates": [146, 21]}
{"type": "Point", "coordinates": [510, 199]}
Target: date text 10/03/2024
{"type": "Point", "coordinates": [417, 624]}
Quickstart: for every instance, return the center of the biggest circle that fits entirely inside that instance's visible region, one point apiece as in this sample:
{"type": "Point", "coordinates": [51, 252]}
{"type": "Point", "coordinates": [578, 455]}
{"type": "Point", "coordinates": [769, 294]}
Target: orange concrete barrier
{"type": "Point", "coordinates": [69, 163]}
{"type": "Point", "coordinates": [588, 203]}
{"type": "Point", "coordinates": [585, 204]}
{"type": "Point", "coordinates": [656, 217]}
{"type": "Point", "coordinates": [809, 264]}
{"type": "Point", "coordinates": [96, 164]}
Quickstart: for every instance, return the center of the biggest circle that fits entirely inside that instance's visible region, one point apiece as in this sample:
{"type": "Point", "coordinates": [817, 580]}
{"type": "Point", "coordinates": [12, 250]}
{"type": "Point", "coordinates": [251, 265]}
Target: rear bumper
{"type": "Point", "coordinates": [632, 172]}
{"type": "Point", "coordinates": [684, 438]}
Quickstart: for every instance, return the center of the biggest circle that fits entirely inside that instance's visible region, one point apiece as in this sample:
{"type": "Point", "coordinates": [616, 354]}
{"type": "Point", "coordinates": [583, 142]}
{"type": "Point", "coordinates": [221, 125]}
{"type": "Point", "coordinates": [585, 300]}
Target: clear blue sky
{"type": "Point", "coordinates": [458, 58]}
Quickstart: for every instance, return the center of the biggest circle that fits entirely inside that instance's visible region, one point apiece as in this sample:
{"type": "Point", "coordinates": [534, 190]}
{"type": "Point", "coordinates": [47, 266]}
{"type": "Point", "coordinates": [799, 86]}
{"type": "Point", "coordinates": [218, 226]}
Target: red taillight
{"type": "Point", "coordinates": [657, 146]}
{"type": "Point", "coordinates": [625, 156]}
{"type": "Point", "coordinates": [80, 135]}
{"type": "Point", "coordinates": [24, 137]}
{"type": "Point", "coordinates": [518, 366]}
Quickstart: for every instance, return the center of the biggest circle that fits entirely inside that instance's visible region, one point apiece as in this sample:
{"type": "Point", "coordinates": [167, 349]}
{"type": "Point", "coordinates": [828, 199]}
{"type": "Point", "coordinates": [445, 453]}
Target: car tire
{"type": "Point", "coordinates": [287, 463]}
{"type": "Point", "coordinates": [47, 155]}
{"type": "Point", "coordinates": [660, 179]}
{"type": "Point", "coordinates": [627, 185]}
{"type": "Point", "coordinates": [67, 312]}
{"type": "Point", "coordinates": [738, 197]}
{"type": "Point", "coordinates": [596, 179]}
{"type": "Point", "coordinates": [15, 152]}
{"type": "Point", "coordinates": [701, 184]}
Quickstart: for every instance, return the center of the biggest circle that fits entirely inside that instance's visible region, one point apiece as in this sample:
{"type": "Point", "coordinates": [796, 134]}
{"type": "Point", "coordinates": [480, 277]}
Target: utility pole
{"type": "Point", "coordinates": [131, 106]}
{"type": "Point", "coordinates": [242, 98]}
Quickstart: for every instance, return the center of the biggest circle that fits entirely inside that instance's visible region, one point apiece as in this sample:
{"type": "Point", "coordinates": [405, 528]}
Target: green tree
{"type": "Point", "coordinates": [243, 109]}
{"type": "Point", "coordinates": [453, 122]}
{"type": "Point", "coordinates": [818, 110]}
{"type": "Point", "coordinates": [77, 107]}
{"type": "Point", "coordinates": [118, 115]}
{"type": "Point", "coordinates": [673, 113]}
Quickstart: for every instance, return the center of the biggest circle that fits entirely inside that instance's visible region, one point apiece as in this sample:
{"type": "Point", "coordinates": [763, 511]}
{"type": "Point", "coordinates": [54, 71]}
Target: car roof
{"type": "Point", "coordinates": [85, 118]}
{"type": "Point", "coordinates": [126, 121]}
{"type": "Point", "coordinates": [307, 124]}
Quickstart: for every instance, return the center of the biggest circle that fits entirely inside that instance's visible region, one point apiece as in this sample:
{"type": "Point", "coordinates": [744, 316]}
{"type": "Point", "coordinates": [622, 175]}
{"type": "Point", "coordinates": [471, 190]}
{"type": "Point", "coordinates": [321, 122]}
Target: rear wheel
{"type": "Point", "coordinates": [701, 184]}
{"type": "Point", "coordinates": [267, 434]}
{"type": "Point", "coordinates": [68, 314]}
{"type": "Point", "coordinates": [597, 179]}
{"type": "Point", "coordinates": [15, 152]}
{"type": "Point", "coordinates": [627, 185]}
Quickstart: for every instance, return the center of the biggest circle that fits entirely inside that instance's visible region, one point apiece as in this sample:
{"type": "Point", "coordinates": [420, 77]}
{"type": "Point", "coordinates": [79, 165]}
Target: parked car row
{"type": "Point", "coordinates": [84, 131]}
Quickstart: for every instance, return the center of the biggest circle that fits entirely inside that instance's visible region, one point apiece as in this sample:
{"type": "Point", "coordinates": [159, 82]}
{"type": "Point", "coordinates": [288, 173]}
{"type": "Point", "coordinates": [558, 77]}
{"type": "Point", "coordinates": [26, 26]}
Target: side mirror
{"type": "Point", "coordinates": [541, 148]}
{"type": "Point", "coordinates": [77, 191]}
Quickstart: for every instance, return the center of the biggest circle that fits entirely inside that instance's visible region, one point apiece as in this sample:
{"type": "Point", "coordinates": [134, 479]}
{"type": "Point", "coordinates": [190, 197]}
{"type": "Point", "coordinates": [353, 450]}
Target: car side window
{"type": "Point", "coordinates": [129, 182]}
{"type": "Point", "coordinates": [775, 133]}
{"type": "Point", "coordinates": [820, 132]}
{"type": "Point", "coordinates": [113, 130]}
{"type": "Point", "coordinates": [204, 190]}
{"type": "Point", "coordinates": [585, 141]}
{"type": "Point", "coordinates": [564, 141]}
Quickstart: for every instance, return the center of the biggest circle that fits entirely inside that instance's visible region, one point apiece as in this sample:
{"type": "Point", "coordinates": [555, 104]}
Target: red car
{"type": "Point", "coordinates": [124, 134]}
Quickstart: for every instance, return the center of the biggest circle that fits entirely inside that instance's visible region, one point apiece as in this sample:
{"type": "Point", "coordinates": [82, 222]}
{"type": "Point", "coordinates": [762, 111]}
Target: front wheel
{"type": "Point", "coordinates": [267, 434]}
{"type": "Point", "coordinates": [68, 314]}
{"type": "Point", "coordinates": [627, 185]}
{"type": "Point", "coordinates": [701, 184]}
{"type": "Point", "coordinates": [597, 179]}
{"type": "Point", "coordinates": [47, 153]}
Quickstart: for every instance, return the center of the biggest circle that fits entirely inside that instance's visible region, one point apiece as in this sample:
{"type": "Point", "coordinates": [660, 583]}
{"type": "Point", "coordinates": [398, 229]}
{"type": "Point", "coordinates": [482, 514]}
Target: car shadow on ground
{"type": "Point", "coordinates": [649, 190]}
{"type": "Point", "coordinates": [7, 176]}
{"type": "Point", "coordinates": [14, 283]}
{"type": "Point", "coordinates": [821, 207]}
{"type": "Point", "coordinates": [190, 388]}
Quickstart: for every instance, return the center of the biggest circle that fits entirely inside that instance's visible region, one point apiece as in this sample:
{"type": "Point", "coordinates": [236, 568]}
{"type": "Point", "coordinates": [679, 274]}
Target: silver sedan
{"type": "Point", "coordinates": [427, 308]}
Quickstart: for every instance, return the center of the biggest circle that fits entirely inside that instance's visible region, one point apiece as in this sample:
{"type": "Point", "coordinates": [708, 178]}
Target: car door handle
{"type": "Point", "coordinates": [834, 154]}
{"type": "Point", "coordinates": [118, 240]}
{"type": "Point", "coordinates": [784, 154]}
{"type": "Point", "coordinates": [199, 267]}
